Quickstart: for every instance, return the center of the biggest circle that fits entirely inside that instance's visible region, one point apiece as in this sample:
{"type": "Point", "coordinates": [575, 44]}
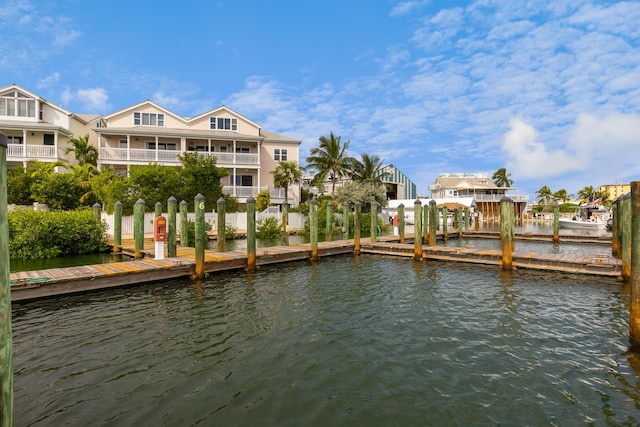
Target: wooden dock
{"type": "Point", "coordinates": [36, 284]}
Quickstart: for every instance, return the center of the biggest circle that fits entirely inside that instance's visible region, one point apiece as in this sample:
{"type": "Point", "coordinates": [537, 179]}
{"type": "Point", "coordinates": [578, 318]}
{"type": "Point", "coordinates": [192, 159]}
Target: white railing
{"type": "Point", "coordinates": [242, 192]}
{"type": "Point", "coordinates": [247, 159]}
{"type": "Point", "coordinates": [497, 197]}
{"type": "Point", "coordinates": [171, 156]}
{"type": "Point", "coordinates": [31, 151]}
{"type": "Point", "coordinates": [276, 193]}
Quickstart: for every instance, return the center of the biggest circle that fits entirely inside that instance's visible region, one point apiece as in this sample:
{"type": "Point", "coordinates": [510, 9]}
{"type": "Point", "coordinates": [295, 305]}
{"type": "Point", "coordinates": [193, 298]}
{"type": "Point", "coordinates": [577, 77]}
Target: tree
{"type": "Point", "coordinates": [155, 183]}
{"type": "Point", "coordinates": [562, 195]}
{"type": "Point", "coordinates": [84, 152]}
{"type": "Point", "coordinates": [285, 174]}
{"type": "Point", "coordinates": [200, 175]}
{"type": "Point", "coordinates": [329, 158]}
{"type": "Point", "coordinates": [586, 194]}
{"type": "Point", "coordinates": [19, 186]}
{"type": "Point", "coordinates": [263, 200]}
{"type": "Point", "coordinates": [368, 170]}
{"type": "Point", "coordinates": [501, 178]}
{"type": "Point", "coordinates": [352, 192]}
{"type": "Point", "coordinates": [545, 193]}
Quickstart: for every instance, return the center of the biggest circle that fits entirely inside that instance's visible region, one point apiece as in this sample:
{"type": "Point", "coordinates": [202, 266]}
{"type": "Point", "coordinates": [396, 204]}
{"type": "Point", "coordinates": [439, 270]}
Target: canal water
{"type": "Point", "coordinates": [351, 341]}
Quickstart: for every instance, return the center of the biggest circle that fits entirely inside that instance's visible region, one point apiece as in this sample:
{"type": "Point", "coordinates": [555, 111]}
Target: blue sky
{"type": "Point", "coordinates": [548, 89]}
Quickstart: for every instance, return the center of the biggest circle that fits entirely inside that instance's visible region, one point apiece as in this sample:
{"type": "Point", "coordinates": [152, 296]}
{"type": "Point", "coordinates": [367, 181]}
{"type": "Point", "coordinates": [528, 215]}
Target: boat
{"type": "Point", "coordinates": [587, 218]}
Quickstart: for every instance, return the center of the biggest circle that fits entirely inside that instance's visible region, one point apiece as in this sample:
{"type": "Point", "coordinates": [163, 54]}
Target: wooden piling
{"type": "Point", "coordinates": [285, 224]}
{"type": "Point", "coordinates": [506, 232]}
{"type": "Point", "coordinates": [221, 235]}
{"type": "Point", "coordinates": [345, 221]}
{"type": "Point", "coordinates": [556, 222]}
{"type": "Point", "coordinates": [117, 227]}
{"type": "Point", "coordinates": [157, 210]}
{"type": "Point", "coordinates": [615, 230]}
{"type": "Point", "coordinates": [433, 222]}
{"type": "Point", "coordinates": [634, 300]}
{"type": "Point", "coordinates": [401, 222]}
{"type": "Point", "coordinates": [172, 211]}
{"type": "Point", "coordinates": [356, 228]}
{"type": "Point", "coordinates": [417, 230]}
{"type": "Point", "coordinates": [184, 234]}
{"type": "Point", "coordinates": [329, 222]}
{"type": "Point", "coordinates": [459, 220]}
{"type": "Point", "coordinates": [425, 223]}
{"type": "Point", "coordinates": [251, 235]}
{"type": "Point", "coordinates": [138, 228]}
{"type": "Point", "coordinates": [313, 228]}
{"type": "Point", "coordinates": [445, 232]}
{"type": "Point", "coordinates": [466, 219]}
{"type": "Point", "coordinates": [6, 341]}
{"type": "Point", "coordinates": [199, 235]}
{"type": "Point", "coordinates": [374, 221]}
{"type": "Point", "coordinates": [625, 236]}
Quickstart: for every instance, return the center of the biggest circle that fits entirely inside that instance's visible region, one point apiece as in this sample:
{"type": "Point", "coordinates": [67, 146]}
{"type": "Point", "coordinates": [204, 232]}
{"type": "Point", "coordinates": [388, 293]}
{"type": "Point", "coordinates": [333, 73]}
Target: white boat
{"type": "Point", "coordinates": [588, 218]}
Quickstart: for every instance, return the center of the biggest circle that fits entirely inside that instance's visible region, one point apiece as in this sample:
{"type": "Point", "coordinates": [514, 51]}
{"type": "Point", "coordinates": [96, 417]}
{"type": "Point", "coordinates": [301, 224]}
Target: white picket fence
{"type": "Point", "coordinates": [236, 220]}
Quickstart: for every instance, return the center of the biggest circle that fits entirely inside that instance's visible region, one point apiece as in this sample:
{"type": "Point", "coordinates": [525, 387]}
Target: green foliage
{"type": "Point", "coordinates": [352, 192]}
{"type": "Point", "coordinates": [19, 187]}
{"type": "Point", "coordinates": [84, 152]}
{"type": "Point", "coordinates": [61, 191]}
{"type": "Point", "coordinates": [191, 231]}
{"type": "Point", "coordinates": [200, 174]}
{"type": "Point", "coordinates": [229, 231]}
{"type": "Point", "coordinates": [232, 203]}
{"type": "Point", "coordinates": [263, 200]}
{"type": "Point", "coordinates": [38, 234]}
{"type": "Point", "coordinates": [285, 174]}
{"type": "Point", "coordinates": [268, 228]}
{"type": "Point", "coordinates": [154, 183]}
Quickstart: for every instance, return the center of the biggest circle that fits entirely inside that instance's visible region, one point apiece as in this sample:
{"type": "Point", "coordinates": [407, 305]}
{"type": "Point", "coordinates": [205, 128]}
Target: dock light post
{"type": "Point", "coordinates": [251, 235]}
{"type": "Point", "coordinates": [417, 233]}
{"type": "Point", "coordinates": [356, 228]}
{"type": "Point", "coordinates": [117, 227]}
{"type": "Point", "coordinates": [313, 224]}
{"type": "Point", "coordinates": [6, 343]}
{"type": "Point", "coordinates": [184, 233]}
{"type": "Point", "coordinates": [199, 235]}
{"type": "Point", "coordinates": [221, 235]}
{"type": "Point", "coordinates": [172, 211]}
{"type": "Point", "coordinates": [433, 222]}
{"type": "Point", "coordinates": [506, 232]}
{"type": "Point", "coordinates": [138, 228]}
{"type": "Point", "coordinates": [634, 300]}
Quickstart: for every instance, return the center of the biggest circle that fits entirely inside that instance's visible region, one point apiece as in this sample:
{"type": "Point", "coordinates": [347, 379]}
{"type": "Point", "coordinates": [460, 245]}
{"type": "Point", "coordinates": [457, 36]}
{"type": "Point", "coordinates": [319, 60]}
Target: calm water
{"type": "Point", "coordinates": [368, 341]}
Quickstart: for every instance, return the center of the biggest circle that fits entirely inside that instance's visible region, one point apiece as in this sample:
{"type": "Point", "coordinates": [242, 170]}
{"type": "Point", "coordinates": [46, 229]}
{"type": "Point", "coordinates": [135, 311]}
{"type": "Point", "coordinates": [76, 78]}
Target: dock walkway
{"type": "Point", "coordinates": [36, 284]}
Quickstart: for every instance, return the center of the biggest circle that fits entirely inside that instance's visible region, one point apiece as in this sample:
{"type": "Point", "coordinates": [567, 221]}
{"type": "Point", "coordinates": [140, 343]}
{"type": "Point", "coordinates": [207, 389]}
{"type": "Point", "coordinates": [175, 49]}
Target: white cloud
{"type": "Point", "coordinates": [92, 100]}
{"type": "Point", "coordinates": [49, 80]}
{"type": "Point", "coordinates": [405, 7]}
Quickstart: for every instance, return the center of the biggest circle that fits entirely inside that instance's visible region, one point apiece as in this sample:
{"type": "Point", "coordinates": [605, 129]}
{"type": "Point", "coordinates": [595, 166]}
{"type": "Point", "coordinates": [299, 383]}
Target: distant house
{"type": "Point", "coordinates": [398, 185]}
{"type": "Point", "coordinates": [485, 192]}
{"type": "Point", "coordinates": [615, 190]}
{"type": "Point", "coordinates": [148, 133]}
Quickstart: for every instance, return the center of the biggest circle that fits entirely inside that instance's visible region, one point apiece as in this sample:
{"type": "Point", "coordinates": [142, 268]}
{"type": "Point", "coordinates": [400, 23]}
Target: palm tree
{"type": "Point", "coordinates": [368, 171]}
{"type": "Point", "coordinates": [545, 193]}
{"type": "Point", "coordinates": [285, 174]}
{"type": "Point", "coordinates": [501, 178]}
{"type": "Point", "coordinates": [587, 193]}
{"type": "Point", "coordinates": [84, 152]}
{"type": "Point", "coordinates": [562, 195]}
{"type": "Point", "coordinates": [329, 158]}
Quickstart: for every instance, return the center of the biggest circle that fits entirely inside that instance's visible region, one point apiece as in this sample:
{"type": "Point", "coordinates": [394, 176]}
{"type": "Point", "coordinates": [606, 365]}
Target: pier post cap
{"type": "Point", "coordinates": [432, 202]}
{"type": "Point", "coordinates": [139, 202]}
{"type": "Point", "coordinates": [172, 199]}
{"type": "Point", "coordinates": [183, 203]}
{"type": "Point", "coordinates": [3, 140]}
{"type": "Point", "coordinates": [251, 200]}
{"type": "Point", "coordinates": [625, 196]}
{"type": "Point", "coordinates": [199, 196]}
{"type": "Point", "coordinates": [158, 204]}
{"type": "Point", "coordinates": [401, 205]}
{"type": "Point", "coordinates": [221, 201]}
{"type": "Point", "coordinates": [358, 204]}
{"type": "Point", "coordinates": [118, 203]}
{"type": "Point", "coordinates": [506, 199]}
{"type": "Point", "coordinates": [313, 201]}
{"type": "Point", "coordinates": [417, 202]}
{"type": "Point", "coordinates": [97, 205]}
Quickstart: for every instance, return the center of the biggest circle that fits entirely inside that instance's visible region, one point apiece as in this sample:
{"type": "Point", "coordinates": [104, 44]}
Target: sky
{"type": "Point", "coordinates": [549, 90]}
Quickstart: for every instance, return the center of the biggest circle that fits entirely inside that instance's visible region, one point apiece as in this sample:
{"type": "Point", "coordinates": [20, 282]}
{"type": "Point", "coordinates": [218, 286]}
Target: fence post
{"type": "Point", "coordinates": [6, 342]}
{"type": "Point", "coordinates": [117, 227]}
{"type": "Point", "coordinates": [221, 235]}
{"type": "Point", "coordinates": [184, 233]}
{"type": "Point", "coordinates": [356, 228]}
{"type": "Point", "coordinates": [199, 235]}
{"type": "Point", "coordinates": [251, 235]}
{"type": "Point", "coordinates": [313, 226]}
{"type": "Point", "coordinates": [506, 232]}
{"type": "Point", "coordinates": [138, 228]}
{"type": "Point", "coordinates": [172, 207]}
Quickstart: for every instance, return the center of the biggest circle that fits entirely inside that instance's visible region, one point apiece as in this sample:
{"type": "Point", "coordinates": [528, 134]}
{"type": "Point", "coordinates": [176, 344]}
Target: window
{"type": "Point", "coordinates": [242, 180]}
{"type": "Point", "coordinates": [14, 139]}
{"type": "Point", "coordinates": [280, 155]}
{"type": "Point", "coordinates": [48, 139]}
{"type": "Point", "coordinates": [17, 105]}
{"type": "Point", "coordinates": [242, 149]}
{"type": "Point", "coordinates": [148, 119]}
{"type": "Point", "coordinates": [123, 143]}
{"type": "Point", "coordinates": [161, 146]}
{"type": "Point", "coordinates": [223, 148]}
{"type": "Point", "coordinates": [223, 123]}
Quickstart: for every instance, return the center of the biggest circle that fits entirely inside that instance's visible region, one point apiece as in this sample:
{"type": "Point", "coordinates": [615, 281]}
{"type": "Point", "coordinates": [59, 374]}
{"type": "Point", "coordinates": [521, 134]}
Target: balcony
{"type": "Point", "coordinates": [26, 152]}
{"type": "Point", "coordinates": [137, 155]}
{"type": "Point", "coordinates": [242, 192]}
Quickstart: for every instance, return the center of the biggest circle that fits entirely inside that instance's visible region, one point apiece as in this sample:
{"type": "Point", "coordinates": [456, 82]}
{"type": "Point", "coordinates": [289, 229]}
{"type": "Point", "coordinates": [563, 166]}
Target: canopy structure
{"type": "Point", "coordinates": [452, 203]}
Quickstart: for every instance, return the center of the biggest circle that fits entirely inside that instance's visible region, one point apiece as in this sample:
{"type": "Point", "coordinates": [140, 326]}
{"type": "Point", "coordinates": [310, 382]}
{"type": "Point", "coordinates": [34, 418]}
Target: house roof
{"type": "Point", "coordinates": [14, 86]}
{"type": "Point", "coordinates": [274, 137]}
{"type": "Point", "coordinates": [466, 183]}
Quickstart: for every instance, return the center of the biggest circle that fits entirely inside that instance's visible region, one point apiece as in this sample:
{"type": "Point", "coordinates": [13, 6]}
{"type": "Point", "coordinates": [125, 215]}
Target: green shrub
{"type": "Point", "coordinates": [229, 231]}
{"type": "Point", "coordinates": [38, 234]}
{"type": "Point", "coordinates": [191, 230]}
{"type": "Point", "coordinates": [268, 228]}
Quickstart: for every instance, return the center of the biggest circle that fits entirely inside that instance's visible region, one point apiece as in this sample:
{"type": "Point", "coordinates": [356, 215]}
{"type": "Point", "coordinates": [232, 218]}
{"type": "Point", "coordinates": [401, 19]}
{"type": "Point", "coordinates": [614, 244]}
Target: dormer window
{"type": "Point", "coordinates": [223, 123]}
{"type": "Point", "coordinates": [148, 119]}
{"type": "Point", "coordinates": [17, 104]}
